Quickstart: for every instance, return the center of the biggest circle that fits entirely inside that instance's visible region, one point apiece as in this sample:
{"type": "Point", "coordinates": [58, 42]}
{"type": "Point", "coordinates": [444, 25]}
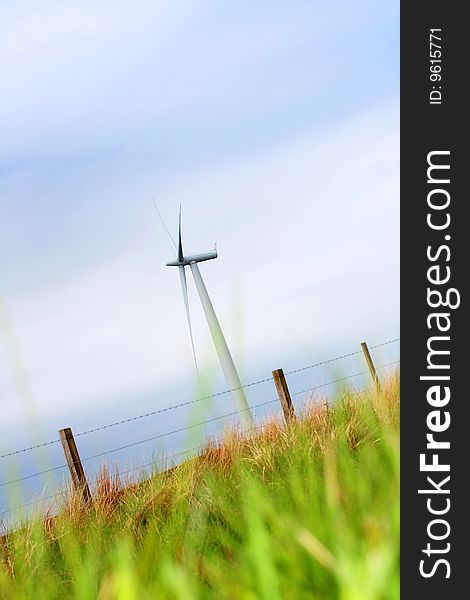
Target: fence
{"type": "Point", "coordinates": [75, 463]}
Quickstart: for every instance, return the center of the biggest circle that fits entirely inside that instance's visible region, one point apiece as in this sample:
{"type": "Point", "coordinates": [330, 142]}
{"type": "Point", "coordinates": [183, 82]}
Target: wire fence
{"type": "Point", "coordinates": [180, 429]}
{"type": "Point", "coordinates": [190, 402]}
{"type": "Point", "coordinates": [167, 460]}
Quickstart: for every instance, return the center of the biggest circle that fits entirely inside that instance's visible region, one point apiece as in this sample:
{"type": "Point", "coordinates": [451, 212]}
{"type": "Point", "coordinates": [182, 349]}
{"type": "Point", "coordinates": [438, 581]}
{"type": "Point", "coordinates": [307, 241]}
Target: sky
{"type": "Point", "coordinates": [275, 125]}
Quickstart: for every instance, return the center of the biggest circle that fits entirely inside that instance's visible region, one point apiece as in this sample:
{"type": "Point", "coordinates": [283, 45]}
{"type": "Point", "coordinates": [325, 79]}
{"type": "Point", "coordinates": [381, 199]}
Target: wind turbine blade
{"type": "Point", "coordinates": [170, 237]}
{"type": "Point", "coordinates": [184, 287]}
{"type": "Point", "coordinates": [180, 244]}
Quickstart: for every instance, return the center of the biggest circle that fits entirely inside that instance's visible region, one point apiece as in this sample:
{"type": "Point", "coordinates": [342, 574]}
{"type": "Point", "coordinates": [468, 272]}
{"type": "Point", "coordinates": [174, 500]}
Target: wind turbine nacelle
{"type": "Point", "coordinates": [195, 258]}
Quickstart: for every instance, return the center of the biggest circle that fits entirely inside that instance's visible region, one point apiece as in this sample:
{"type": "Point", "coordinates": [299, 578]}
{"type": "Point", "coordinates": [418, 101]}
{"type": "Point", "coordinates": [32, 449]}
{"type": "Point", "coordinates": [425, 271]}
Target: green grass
{"type": "Point", "coordinates": [308, 511]}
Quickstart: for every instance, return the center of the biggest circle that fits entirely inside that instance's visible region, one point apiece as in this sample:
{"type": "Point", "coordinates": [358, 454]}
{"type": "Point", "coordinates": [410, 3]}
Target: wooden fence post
{"type": "Point", "coordinates": [370, 364]}
{"type": "Point", "coordinates": [77, 473]}
{"type": "Point", "coordinates": [284, 395]}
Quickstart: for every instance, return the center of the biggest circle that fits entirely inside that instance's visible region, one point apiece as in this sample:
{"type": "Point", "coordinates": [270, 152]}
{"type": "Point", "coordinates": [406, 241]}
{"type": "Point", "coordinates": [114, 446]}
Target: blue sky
{"type": "Point", "coordinates": [275, 124]}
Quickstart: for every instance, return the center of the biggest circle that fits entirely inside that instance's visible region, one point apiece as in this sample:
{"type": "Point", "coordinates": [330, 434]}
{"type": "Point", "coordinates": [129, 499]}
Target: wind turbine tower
{"type": "Point", "coordinates": [223, 352]}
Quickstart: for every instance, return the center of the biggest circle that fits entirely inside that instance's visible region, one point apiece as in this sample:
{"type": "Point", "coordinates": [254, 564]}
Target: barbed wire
{"type": "Point", "coordinates": [189, 402]}
{"type": "Point", "coordinates": [181, 429]}
{"type": "Point", "coordinates": [343, 379]}
{"type": "Point", "coordinates": [35, 447]}
{"type": "Point", "coordinates": [37, 501]}
{"type": "Point", "coordinates": [183, 452]}
{"type": "Point", "coordinates": [132, 444]}
{"type": "Point", "coordinates": [65, 492]}
{"type": "Point", "coordinates": [385, 343]}
{"type": "Point", "coordinates": [348, 355]}
{"type": "Point", "coordinates": [202, 446]}
{"type": "Point", "coordinates": [153, 463]}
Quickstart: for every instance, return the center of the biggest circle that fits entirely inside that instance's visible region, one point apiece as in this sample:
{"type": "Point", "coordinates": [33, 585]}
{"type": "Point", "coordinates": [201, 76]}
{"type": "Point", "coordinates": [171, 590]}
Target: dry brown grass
{"type": "Point", "coordinates": [317, 421]}
{"type": "Point", "coordinates": [208, 517]}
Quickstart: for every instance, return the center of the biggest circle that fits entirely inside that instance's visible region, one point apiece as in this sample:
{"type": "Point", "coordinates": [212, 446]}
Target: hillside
{"type": "Point", "coordinates": [305, 511]}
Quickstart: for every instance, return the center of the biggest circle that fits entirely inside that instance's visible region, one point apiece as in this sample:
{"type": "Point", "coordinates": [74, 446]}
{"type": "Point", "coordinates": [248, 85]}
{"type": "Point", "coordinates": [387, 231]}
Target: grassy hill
{"type": "Point", "coordinates": [305, 511]}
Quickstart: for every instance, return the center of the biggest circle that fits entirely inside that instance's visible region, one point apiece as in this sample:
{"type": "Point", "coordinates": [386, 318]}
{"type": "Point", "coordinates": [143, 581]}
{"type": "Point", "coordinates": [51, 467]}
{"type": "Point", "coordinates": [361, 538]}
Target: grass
{"type": "Point", "coordinates": [305, 511]}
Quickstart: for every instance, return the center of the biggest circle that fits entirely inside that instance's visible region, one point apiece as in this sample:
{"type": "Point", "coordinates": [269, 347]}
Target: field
{"type": "Point", "coordinates": [305, 511]}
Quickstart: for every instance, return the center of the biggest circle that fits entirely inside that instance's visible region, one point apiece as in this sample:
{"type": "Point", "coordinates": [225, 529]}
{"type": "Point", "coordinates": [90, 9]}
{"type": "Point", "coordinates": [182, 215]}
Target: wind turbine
{"type": "Point", "coordinates": [223, 352]}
